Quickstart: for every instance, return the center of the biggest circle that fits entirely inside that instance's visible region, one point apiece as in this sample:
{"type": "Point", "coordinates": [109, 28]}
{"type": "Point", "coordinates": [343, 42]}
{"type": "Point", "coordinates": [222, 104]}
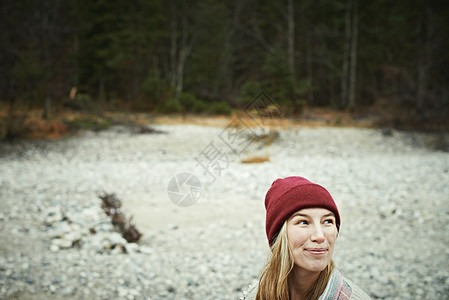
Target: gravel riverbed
{"type": "Point", "coordinates": [57, 243]}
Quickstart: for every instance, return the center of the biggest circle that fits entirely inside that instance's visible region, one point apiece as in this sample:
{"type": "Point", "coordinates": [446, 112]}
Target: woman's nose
{"type": "Point", "coordinates": [317, 235]}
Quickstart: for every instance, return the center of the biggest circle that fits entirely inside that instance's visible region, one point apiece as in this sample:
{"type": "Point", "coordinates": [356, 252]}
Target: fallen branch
{"type": "Point", "coordinates": [112, 207]}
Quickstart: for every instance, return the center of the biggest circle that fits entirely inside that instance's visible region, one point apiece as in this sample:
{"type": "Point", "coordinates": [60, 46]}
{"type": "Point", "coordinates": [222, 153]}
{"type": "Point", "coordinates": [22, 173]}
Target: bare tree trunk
{"type": "Point", "coordinates": [353, 62]}
{"type": "Point", "coordinates": [332, 91]}
{"type": "Point", "coordinates": [180, 53]}
{"type": "Point", "coordinates": [424, 60]}
{"type": "Point", "coordinates": [224, 78]}
{"type": "Point", "coordinates": [46, 30]}
{"type": "Point", "coordinates": [47, 108]}
{"type": "Point", "coordinates": [346, 56]}
{"type": "Point", "coordinates": [101, 88]}
{"type": "Point", "coordinates": [291, 46]}
{"type": "Point", "coordinates": [310, 95]}
{"type": "Point", "coordinates": [184, 52]}
{"type": "Point", "coordinates": [349, 71]}
{"type": "Point", "coordinates": [173, 44]}
{"type": "Point", "coordinates": [76, 46]}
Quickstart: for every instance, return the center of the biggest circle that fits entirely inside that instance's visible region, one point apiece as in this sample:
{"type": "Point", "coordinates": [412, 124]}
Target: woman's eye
{"type": "Point", "coordinates": [329, 221]}
{"type": "Point", "coordinates": [302, 222]}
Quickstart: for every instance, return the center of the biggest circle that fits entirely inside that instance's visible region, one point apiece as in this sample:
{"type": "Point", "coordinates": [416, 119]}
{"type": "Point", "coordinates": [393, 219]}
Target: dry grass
{"type": "Point", "coordinates": [255, 160]}
{"type": "Point", "coordinates": [49, 129]}
{"type": "Point", "coordinates": [311, 117]}
{"type": "Point", "coordinates": [28, 123]}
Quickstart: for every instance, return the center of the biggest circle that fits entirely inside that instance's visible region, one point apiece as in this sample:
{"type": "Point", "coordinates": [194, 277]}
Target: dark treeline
{"type": "Point", "coordinates": [211, 55]}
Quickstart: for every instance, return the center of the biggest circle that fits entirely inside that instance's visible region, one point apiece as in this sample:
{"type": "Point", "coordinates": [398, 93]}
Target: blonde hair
{"type": "Point", "coordinates": [274, 275]}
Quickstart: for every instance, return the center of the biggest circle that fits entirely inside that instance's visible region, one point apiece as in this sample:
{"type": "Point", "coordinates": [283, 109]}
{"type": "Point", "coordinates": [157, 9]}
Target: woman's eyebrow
{"type": "Point", "coordinates": [307, 216]}
{"type": "Point", "coordinates": [300, 215]}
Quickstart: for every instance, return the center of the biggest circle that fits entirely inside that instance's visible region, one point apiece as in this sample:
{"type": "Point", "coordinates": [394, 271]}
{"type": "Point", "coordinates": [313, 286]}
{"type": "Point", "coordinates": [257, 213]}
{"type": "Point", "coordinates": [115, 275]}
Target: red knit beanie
{"type": "Point", "coordinates": [287, 196]}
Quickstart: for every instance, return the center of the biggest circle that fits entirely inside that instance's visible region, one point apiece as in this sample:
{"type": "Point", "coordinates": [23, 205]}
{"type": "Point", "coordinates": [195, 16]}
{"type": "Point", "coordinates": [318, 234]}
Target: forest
{"type": "Point", "coordinates": [213, 56]}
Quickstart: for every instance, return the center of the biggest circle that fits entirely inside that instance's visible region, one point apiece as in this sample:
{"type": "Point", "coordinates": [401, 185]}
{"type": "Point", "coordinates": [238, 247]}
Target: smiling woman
{"type": "Point", "coordinates": [302, 224]}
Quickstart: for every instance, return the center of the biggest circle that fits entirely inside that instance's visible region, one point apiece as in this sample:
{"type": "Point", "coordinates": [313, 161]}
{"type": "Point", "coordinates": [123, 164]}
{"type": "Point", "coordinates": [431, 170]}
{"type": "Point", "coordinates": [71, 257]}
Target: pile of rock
{"type": "Point", "coordinates": [89, 229]}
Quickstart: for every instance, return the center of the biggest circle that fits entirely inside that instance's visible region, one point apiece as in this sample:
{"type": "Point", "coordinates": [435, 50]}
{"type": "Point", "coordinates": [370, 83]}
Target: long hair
{"type": "Point", "coordinates": [273, 284]}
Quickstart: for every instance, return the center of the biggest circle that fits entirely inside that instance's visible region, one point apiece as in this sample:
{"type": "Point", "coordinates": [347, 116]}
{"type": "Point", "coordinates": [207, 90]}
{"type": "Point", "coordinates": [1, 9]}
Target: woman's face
{"type": "Point", "coordinates": [311, 236]}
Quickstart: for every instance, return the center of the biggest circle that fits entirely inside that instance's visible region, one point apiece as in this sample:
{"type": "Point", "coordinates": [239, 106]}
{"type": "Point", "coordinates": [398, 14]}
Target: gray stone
{"type": "Point", "coordinates": [62, 243]}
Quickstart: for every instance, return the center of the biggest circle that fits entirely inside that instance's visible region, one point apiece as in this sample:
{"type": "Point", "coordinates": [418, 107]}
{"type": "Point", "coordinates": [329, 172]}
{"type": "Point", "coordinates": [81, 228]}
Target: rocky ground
{"type": "Point", "coordinates": [391, 188]}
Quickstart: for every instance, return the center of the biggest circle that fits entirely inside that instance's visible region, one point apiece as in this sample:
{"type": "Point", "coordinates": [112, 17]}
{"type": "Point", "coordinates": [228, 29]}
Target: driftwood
{"type": "Point", "coordinates": [112, 207]}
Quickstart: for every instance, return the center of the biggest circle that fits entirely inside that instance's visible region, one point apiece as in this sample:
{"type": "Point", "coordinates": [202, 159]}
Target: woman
{"type": "Point", "coordinates": [302, 224]}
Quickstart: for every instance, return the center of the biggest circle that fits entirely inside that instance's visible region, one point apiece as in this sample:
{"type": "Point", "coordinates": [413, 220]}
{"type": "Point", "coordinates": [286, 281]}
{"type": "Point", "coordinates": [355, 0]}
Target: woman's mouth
{"type": "Point", "coordinates": [316, 251]}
